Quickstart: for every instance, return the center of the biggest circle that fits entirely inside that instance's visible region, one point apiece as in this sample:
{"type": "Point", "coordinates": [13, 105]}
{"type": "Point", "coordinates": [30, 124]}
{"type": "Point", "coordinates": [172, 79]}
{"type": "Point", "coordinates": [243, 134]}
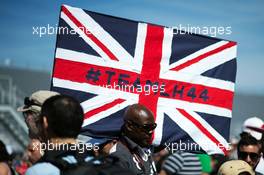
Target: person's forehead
{"type": "Point", "coordinates": [34, 144]}
{"type": "Point", "coordinates": [142, 116]}
{"type": "Point", "coordinates": [30, 113]}
{"type": "Point", "coordinates": [250, 148]}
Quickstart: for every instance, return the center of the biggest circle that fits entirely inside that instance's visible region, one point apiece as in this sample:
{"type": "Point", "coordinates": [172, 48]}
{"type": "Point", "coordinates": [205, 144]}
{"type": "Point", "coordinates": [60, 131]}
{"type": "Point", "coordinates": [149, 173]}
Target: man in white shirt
{"type": "Point", "coordinates": [255, 127]}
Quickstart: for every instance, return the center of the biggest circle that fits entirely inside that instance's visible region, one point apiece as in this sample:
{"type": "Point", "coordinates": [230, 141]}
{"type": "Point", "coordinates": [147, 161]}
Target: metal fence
{"type": "Point", "coordinates": [12, 122]}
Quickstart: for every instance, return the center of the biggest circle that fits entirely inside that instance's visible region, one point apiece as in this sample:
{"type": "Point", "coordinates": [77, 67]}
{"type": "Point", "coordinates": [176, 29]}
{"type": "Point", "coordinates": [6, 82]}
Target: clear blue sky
{"type": "Point", "coordinates": [246, 18]}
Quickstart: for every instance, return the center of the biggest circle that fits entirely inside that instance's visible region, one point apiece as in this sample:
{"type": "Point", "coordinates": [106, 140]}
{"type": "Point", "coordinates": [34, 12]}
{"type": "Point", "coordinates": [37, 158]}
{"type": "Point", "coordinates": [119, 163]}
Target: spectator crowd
{"type": "Point", "coordinates": [54, 121]}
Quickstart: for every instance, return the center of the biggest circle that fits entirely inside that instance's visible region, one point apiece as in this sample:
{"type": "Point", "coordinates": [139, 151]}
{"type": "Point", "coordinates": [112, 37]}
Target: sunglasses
{"type": "Point", "coordinates": [244, 155]}
{"type": "Point", "coordinates": [145, 127]}
{"type": "Point", "coordinates": [28, 102]}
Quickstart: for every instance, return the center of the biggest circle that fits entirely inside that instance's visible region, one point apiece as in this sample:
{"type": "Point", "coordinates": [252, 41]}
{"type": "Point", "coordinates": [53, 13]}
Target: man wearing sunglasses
{"type": "Point", "coordinates": [132, 147]}
{"type": "Point", "coordinates": [31, 111]}
{"type": "Point", "coordinates": [249, 150]}
{"type": "Point", "coordinates": [139, 125]}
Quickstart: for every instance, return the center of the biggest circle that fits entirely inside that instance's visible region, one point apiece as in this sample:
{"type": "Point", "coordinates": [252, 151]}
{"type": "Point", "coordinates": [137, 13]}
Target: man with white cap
{"type": "Point", "coordinates": [260, 166]}
{"type": "Point", "coordinates": [31, 110]}
{"type": "Point", "coordinates": [255, 127]}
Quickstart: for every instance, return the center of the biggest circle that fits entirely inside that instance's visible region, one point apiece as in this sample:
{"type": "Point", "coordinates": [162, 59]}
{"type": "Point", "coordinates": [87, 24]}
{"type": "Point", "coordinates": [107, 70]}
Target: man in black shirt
{"type": "Point", "coordinates": [132, 147]}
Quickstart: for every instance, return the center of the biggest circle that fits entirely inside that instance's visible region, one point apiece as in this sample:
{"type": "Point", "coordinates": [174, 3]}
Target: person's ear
{"type": "Point", "coordinates": [45, 122]}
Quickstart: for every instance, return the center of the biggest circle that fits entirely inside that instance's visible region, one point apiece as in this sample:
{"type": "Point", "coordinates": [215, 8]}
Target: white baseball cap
{"type": "Point", "coordinates": [251, 125]}
{"type": "Point", "coordinates": [36, 100]}
{"type": "Point", "coordinates": [235, 167]}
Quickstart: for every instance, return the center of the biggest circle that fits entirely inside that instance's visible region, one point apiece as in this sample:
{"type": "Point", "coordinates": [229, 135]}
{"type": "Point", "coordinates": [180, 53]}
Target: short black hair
{"type": "Point", "coordinates": [245, 173]}
{"type": "Point", "coordinates": [4, 156]}
{"type": "Point", "coordinates": [64, 116]}
{"type": "Point", "coordinates": [246, 140]}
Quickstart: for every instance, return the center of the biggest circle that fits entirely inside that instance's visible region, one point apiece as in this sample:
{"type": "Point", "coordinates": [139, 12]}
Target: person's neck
{"type": "Point", "coordinates": [63, 140]}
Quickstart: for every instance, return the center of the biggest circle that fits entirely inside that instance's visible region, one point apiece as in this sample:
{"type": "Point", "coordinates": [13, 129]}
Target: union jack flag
{"type": "Point", "coordinates": [190, 77]}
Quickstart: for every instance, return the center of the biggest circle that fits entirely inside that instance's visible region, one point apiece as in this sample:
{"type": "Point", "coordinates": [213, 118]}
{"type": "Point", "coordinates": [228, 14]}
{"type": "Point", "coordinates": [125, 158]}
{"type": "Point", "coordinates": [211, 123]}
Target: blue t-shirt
{"type": "Point", "coordinates": [46, 168]}
{"type": "Point", "coordinates": [43, 168]}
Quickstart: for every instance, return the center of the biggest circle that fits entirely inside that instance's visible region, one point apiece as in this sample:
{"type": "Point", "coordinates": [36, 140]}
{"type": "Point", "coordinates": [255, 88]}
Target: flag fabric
{"type": "Point", "coordinates": [186, 80]}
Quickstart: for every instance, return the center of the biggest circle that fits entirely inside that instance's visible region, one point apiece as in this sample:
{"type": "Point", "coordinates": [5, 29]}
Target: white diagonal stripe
{"type": "Point", "coordinates": [211, 61]}
{"type": "Point", "coordinates": [197, 107]}
{"type": "Point", "coordinates": [197, 53]}
{"type": "Point", "coordinates": [101, 92]}
{"type": "Point", "coordinates": [96, 102]}
{"type": "Point", "coordinates": [84, 37]}
{"type": "Point", "coordinates": [212, 131]}
{"type": "Point", "coordinates": [204, 142]}
{"type": "Point", "coordinates": [103, 36]}
{"type": "Point", "coordinates": [106, 113]}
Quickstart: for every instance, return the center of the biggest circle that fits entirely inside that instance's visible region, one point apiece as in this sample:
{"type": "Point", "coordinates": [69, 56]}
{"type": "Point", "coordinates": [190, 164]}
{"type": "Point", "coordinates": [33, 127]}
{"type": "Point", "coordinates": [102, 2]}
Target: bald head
{"type": "Point", "coordinates": [139, 124]}
{"type": "Point", "coordinates": [137, 113]}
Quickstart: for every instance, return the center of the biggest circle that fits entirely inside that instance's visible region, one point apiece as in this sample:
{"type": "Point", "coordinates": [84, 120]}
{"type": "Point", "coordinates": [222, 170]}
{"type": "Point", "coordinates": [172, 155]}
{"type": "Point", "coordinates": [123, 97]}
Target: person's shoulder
{"type": "Point", "coordinates": [3, 164]}
{"type": "Point", "coordinates": [260, 166]}
{"type": "Point", "coordinates": [189, 155]}
{"type": "Point", "coordinates": [177, 155]}
{"type": "Point", "coordinates": [181, 157]}
{"type": "Point", "coordinates": [4, 169]}
{"type": "Point", "coordinates": [120, 148]}
{"type": "Point", "coordinates": [257, 173]}
{"type": "Point", "coordinates": [186, 155]}
{"type": "Point", "coordinates": [43, 168]}
{"type": "Point", "coordinates": [120, 151]}
{"type": "Point", "coordinates": [124, 156]}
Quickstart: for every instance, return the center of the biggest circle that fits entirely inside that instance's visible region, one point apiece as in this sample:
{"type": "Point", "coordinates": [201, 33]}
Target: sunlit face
{"type": "Point", "coordinates": [250, 154]}
{"type": "Point", "coordinates": [142, 130]}
{"type": "Point", "coordinates": [30, 119]}
{"type": "Point", "coordinates": [139, 124]}
{"type": "Point", "coordinates": [143, 133]}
